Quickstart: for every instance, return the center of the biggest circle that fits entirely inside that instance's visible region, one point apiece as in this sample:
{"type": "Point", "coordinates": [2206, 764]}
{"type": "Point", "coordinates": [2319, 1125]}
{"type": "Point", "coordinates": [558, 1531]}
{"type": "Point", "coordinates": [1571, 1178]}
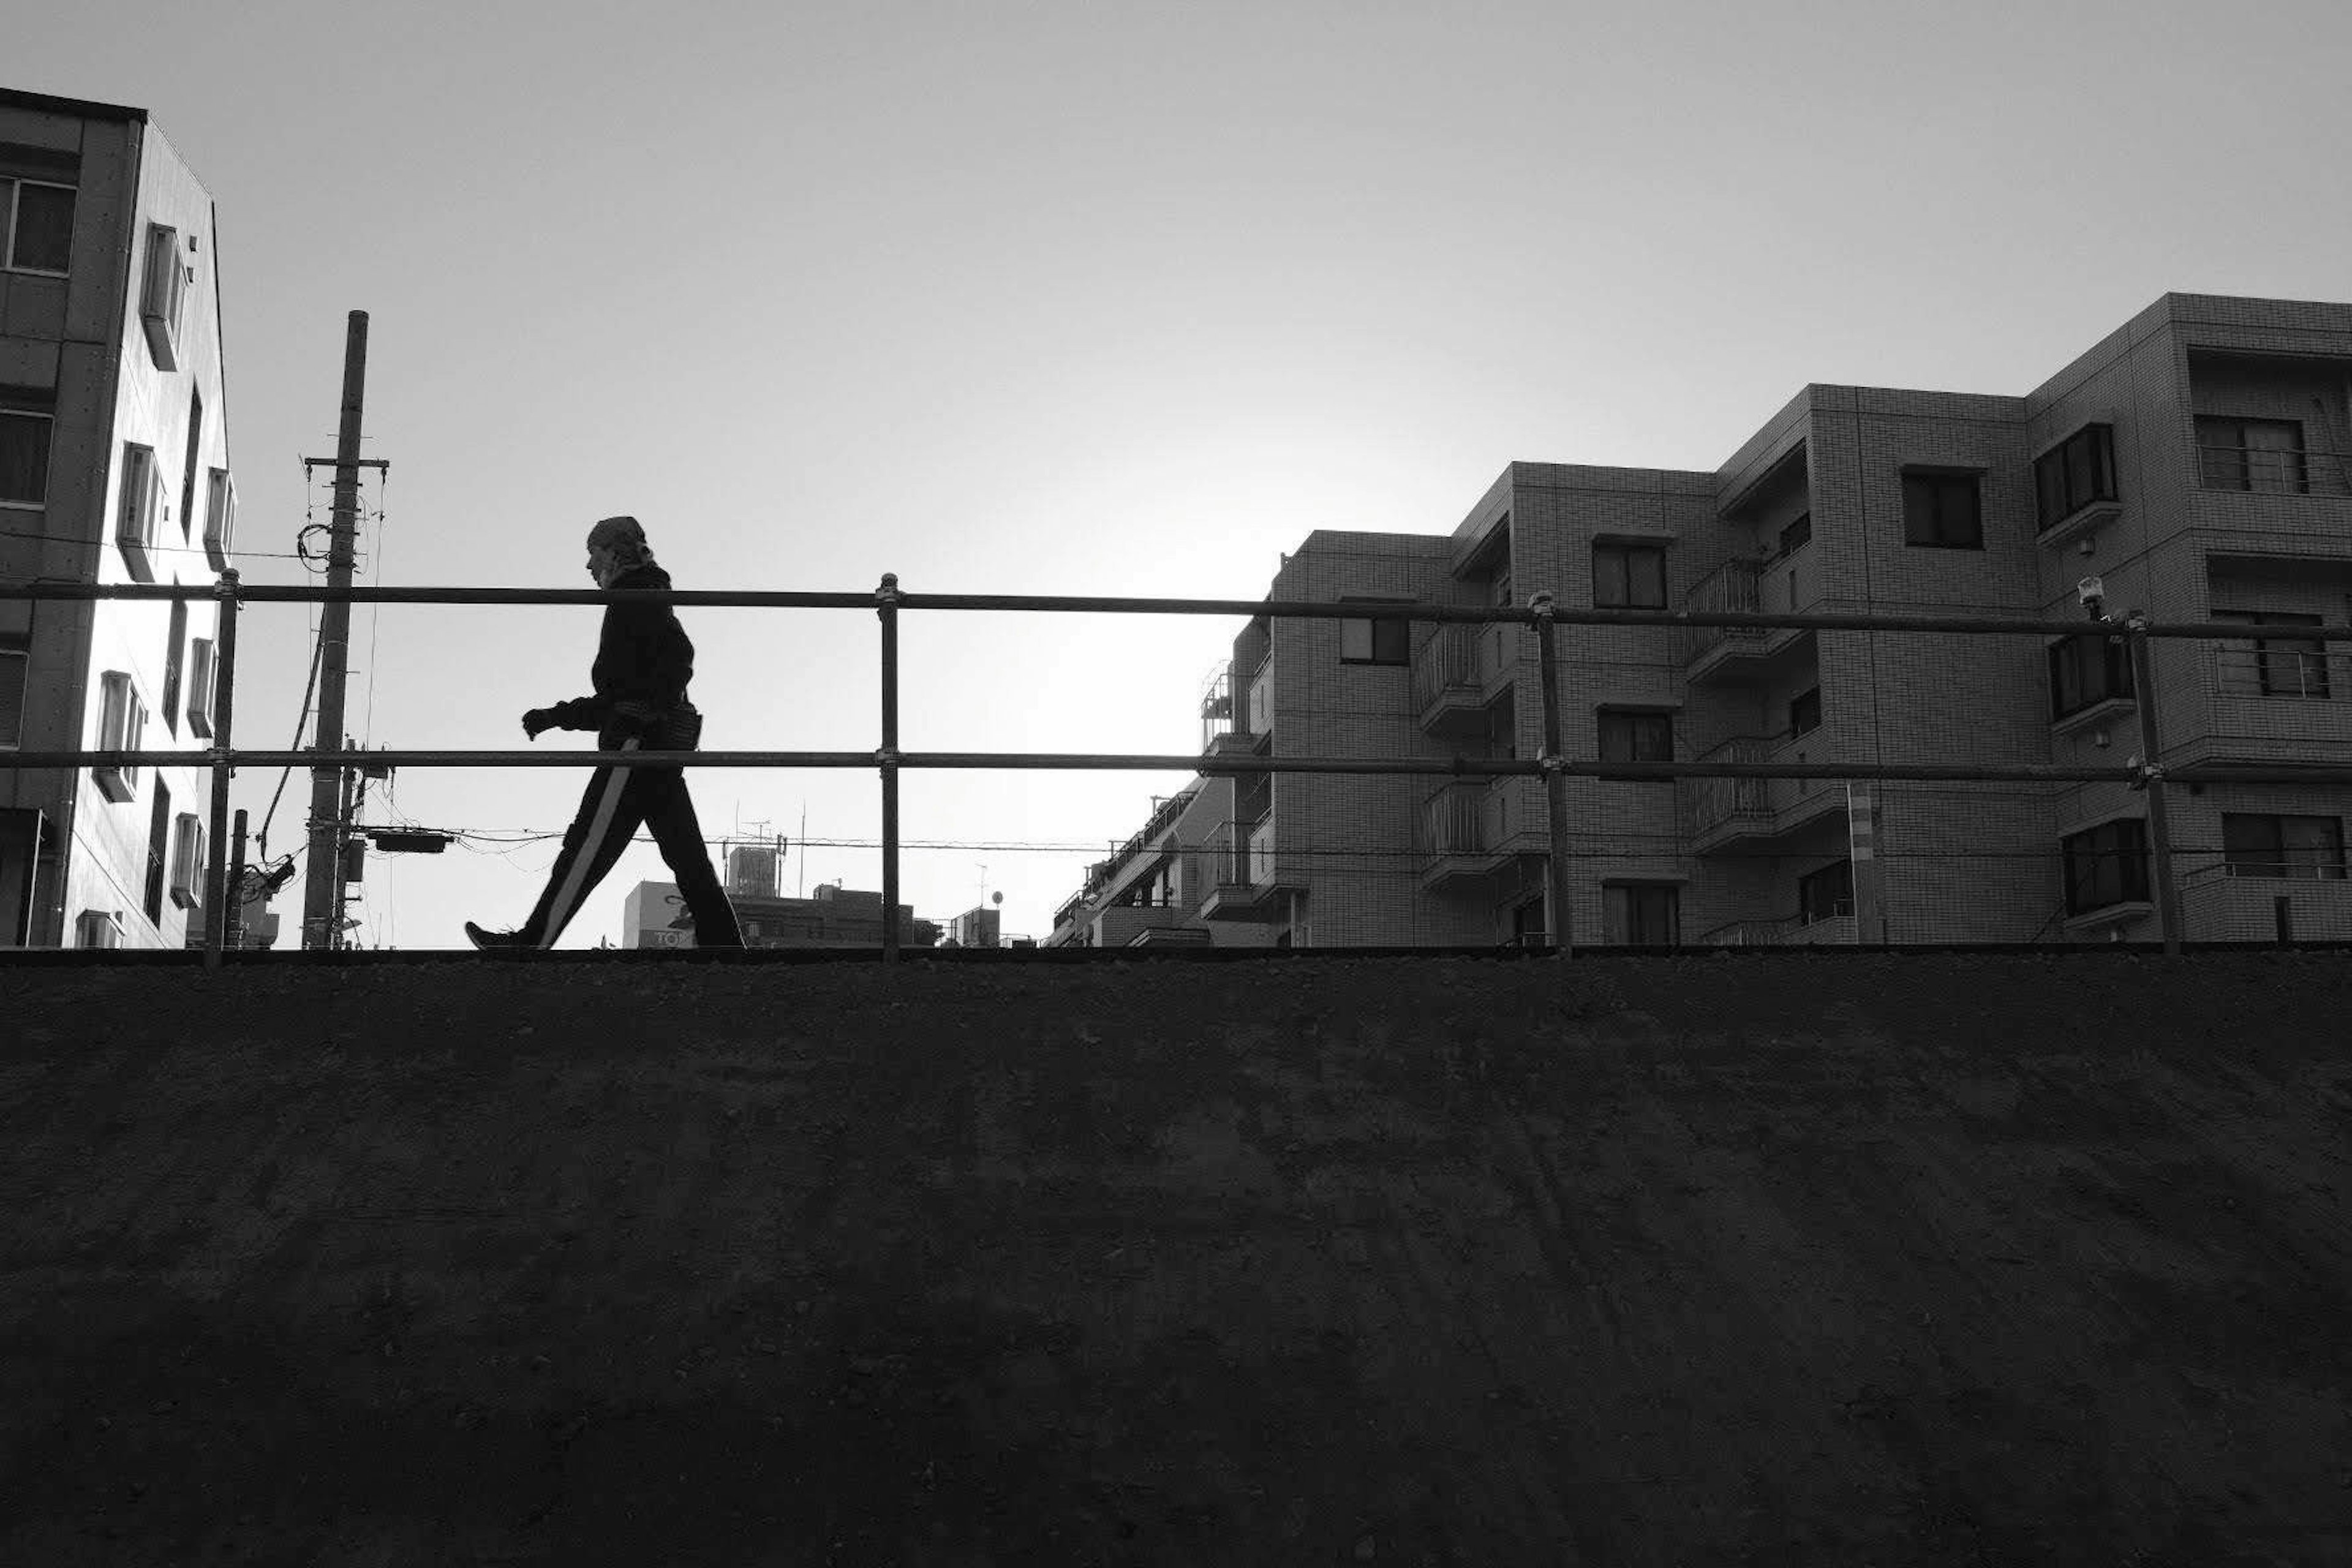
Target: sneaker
{"type": "Point", "coordinates": [490, 939]}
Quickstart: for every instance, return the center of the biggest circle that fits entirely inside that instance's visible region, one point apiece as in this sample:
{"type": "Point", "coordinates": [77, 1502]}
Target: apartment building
{"type": "Point", "coordinates": [2195, 461]}
{"type": "Point", "coordinates": [113, 468]}
{"type": "Point", "coordinates": [653, 914]}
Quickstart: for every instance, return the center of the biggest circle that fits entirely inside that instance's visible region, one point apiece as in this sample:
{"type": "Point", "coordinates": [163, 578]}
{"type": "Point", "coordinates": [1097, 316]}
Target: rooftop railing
{"type": "Point", "coordinates": [889, 759]}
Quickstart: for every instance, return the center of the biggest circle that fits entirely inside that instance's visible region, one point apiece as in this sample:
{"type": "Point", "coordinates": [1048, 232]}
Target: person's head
{"type": "Point", "coordinates": [615, 545]}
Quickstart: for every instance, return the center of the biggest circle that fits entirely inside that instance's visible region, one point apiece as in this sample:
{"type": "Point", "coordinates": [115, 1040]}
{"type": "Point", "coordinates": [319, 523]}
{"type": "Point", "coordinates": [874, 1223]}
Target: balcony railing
{"type": "Point", "coordinates": [1445, 671]}
{"type": "Point", "coordinates": [1741, 585]}
{"type": "Point", "coordinates": [2282, 669]}
{"type": "Point", "coordinates": [1835, 929]}
{"type": "Point", "coordinates": [2269, 470]}
{"type": "Point", "coordinates": [1721, 809]}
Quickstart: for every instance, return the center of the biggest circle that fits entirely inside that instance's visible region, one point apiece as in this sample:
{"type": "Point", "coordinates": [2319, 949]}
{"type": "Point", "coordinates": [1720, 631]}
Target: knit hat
{"type": "Point", "coordinates": [623, 536]}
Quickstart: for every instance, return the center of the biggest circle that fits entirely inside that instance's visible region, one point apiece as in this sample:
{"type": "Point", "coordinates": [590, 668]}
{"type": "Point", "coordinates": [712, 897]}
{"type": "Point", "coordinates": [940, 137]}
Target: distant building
{"type": "Point", "coordinates": [2198, 461]}
{"type": "Point", "coordinates": [113, 468]}
{"type": "Point", "coordinates": [653, 914]}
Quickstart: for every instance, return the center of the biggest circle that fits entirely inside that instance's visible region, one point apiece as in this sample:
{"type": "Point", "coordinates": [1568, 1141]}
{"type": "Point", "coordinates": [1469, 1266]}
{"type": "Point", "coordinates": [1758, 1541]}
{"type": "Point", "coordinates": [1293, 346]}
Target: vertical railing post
{"type": "Point", "coordinates": [2151, 778]}
{"type": "Point", "coordinates": [224, 700]}
{"type": "Point", "coordinates": [887, 597]}
{"type": "Point", "coordinates": [233, 916]}
{"type": "Point", "coordinates": [1554, 780]}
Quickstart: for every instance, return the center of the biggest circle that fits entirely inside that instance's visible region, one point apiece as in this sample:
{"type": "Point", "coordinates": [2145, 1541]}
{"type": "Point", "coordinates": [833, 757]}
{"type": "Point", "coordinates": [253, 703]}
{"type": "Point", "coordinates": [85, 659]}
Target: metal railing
{"type": "Point", "coordinates": [2274, 470]}
{"type": "Point", "coordinates": [2280, 668]}
{"type": "Point", "coordinates": [1252, 856]}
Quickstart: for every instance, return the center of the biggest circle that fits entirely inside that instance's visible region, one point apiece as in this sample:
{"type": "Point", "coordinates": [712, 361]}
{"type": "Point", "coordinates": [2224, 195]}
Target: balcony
{"type": "Point", "coordinates": [1131, 925]}
{"type": "Point", "coordinates": [1224, 729]}
{"type": "Point", "coordinates": [2281, 691]}
{"type": "Point", "coordinates": [1742, 587]}
{"type": "Point", "coordinates": [1457, 670]}
{"type": "Point", "coordinates": [2220, 902]}
{"type": "Point", "coordinates": [1789, 931]}
{"type": "Point", "coordinates": [1722, 812]}
{"type": "Point", "coordinates": [1245, 879]}
{"type": "Point", "coordinates": [1465, 832]}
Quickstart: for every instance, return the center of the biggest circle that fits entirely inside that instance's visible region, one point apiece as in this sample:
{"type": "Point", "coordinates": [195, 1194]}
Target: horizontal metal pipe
{"type": "Point", "coordinates": [1248, 608]}
{"type": "Point", "coordinates": [1460, 767]}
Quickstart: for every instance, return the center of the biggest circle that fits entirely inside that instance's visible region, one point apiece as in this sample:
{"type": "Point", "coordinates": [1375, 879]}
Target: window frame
{"type": "Point", "coordinates": [196, 446]}
{"type": "Point", "coordinates": [1618, 733]}
{"type": "Point", "coordinates": [12, 225]}
{"type": "Point", "coordinates": [1795, 706]}
{"type": "Point", "coordinates": [2128, 863]}
{"type": "Point", "coordinates": [2055, 496]}
{"type": "Point", "coordinates": [122, 726]}
{"type": "Point", "coordinates": [2240, 454]}
{"type": "Point", "coordinates": [188, 863]}
{"type": "Point", "coordinates": [1630, 910]}
{"type": "Point", "coordinates": [159, 851]}
{"type": "Point", "coordinates": [2277, 858]}
{"type": "Point", "coordinates": [2302, 655]}
{"type": "Point", "coordinates": [1381, 636]}
{"type": "Point", "coordinates": [1783, 546]}
{"type": "Point", "coordinates": [174, 664]}
{"type": "Point", "coordinates": [1619, 556]}
{"type": "Point", "coordinates": [203, 671]}
{"type": "Point", "coordinates": [162, 317]}
{"type": "Point", "coordinates": [141, 498]}
{"type": "Point", "coordinates": [49, 446]}
{"type": "Point", "coordinates": [2067, 665]}
{"type": "Point", "coordinates": [220, 518]}
{"type": "Point", "coordinates": [16, 649]}
{"type": "Point", "coordinates": [1938, 482]}
{"type": "Point", "coordinates": [1818, 895]}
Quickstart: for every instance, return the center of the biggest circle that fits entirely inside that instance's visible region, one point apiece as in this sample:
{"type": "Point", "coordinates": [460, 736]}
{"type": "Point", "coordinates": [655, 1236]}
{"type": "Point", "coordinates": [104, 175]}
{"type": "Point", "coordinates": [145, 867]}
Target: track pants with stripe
{"type": "Point", "coordinates": [617, 800]}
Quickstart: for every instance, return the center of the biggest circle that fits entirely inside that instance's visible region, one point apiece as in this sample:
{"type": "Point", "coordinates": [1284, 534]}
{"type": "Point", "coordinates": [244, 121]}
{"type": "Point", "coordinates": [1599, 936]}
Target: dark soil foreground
{"type": "Point", "coordinates": [1835, 1260]}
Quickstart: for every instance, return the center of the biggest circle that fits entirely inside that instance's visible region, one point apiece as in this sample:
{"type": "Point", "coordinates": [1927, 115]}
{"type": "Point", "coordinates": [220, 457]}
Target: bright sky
{"type": "Point", "coordinates": [1099, 299]}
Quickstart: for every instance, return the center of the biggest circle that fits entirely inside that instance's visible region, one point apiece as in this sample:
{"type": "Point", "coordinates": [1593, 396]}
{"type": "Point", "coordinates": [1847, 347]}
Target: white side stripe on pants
{"type": "Point", "coordinates": [559, 911]}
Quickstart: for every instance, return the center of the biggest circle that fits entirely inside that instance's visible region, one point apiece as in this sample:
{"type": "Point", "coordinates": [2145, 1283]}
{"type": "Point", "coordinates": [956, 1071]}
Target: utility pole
{"type": "Point", "coordinates": [323, 888]}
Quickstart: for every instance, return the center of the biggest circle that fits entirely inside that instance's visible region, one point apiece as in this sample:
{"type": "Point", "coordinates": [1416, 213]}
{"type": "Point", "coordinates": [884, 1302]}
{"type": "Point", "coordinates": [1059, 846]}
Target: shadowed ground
{"type": "Point", "coordinates": [1835, 1260]}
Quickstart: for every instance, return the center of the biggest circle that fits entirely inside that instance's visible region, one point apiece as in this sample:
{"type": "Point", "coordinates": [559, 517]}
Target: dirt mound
{"type": "Point", "coordinates": [1820, 1259]}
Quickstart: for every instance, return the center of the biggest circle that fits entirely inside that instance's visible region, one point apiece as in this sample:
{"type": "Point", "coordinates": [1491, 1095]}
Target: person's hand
{"type": "Point", "coordinates": [535, 721]}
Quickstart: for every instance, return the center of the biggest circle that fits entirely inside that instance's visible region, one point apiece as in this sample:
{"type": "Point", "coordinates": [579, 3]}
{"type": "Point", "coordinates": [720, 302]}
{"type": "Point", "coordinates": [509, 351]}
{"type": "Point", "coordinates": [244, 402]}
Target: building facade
{"type": "Point", "coordinates": [653, 914]}
{"type": "Point", "coordinates": [113, 468]}
{"type": "Point", "coordinates": [2194, 462]}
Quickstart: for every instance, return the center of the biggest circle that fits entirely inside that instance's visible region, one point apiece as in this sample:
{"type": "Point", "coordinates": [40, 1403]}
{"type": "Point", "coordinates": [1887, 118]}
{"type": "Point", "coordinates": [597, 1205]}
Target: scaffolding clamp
{"type": "Point", "coordinates": [888, 593]}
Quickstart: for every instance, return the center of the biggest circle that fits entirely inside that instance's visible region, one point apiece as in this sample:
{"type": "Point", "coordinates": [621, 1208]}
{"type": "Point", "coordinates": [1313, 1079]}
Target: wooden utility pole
{"type": "Point", "coordinates": [323, 888]}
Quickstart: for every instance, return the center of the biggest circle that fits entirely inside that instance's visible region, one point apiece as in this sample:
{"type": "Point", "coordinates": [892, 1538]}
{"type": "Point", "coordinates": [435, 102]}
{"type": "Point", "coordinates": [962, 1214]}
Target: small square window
{"type": "Point", "coordinates": [24, 437]}
{"type": "Point", "coordinates": [2237, 454]}
{"type": "Point", "coordinates": [1825, 894]}
{"type": "Point", "coordinates": [122, 726]}
{"type": "Point", "coordinates": [1629, 736]}
{"type": "Point", "coordinates": [1376, 641]}
{"type": "Point", "coordinates": [187, 861]}
{"type": "Point", "coordinates": [159, 851]}
{"type": "Point", "coordinates": [1640, 914]}
{"type": "Point", "coordinates": [163, 289]}
{"type": "Point", "coordinates": [137, 508]}
{"type": "Point", "coordinates": [1629, 576]}
{"type": "Point", "coordinates": [2079, 470]}
{"type": "Point", "coordinates": [220, 519]}
{"type": "Point", "coordinates": [2087, 670]}
{"type": "Point", "coordinates": [15, 669]}
{"type": "Point", "coordinates": [200, 687]}
{"type": "Point", "coordinates": [1805, 712]}
{"type": "Point", "coordinates": [173, 649]}
{"type": "Point", "coordinates": [2106, 865]}
{"type": "Point", "coordinates": [1942, 509]}
{"type": "Point", "coordinates": [37, 227]}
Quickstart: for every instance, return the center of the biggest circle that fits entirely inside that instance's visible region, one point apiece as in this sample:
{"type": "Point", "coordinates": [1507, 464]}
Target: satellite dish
{"type": "Point", "coordinates": [996, 898]}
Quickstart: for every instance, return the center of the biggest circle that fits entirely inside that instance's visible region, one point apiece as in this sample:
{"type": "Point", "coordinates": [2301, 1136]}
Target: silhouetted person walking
{"type": "Point", "coordinates": [643, 661]}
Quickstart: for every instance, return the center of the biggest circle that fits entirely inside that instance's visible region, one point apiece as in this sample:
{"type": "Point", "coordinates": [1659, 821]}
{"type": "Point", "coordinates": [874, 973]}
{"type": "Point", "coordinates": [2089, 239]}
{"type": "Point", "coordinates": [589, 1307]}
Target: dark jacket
{"type": "Point", "coordinates": [644, 662]}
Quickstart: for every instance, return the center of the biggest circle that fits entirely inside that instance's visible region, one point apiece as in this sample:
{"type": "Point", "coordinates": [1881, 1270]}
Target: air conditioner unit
{"type": "Point", "coordinates": [160, 298]}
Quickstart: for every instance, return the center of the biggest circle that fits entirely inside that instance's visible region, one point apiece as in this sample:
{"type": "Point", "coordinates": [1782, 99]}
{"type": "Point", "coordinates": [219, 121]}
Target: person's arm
{"type": "Point", "coordinates": [579, 713]}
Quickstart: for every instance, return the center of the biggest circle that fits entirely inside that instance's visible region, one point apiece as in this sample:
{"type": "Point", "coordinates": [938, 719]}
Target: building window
{"type": "Point", "coordinates": [2273, 667]}
{"type": "Point", "coordinates": [36, 226]}
{"type": "Point", "coordinates": [122, 726]}
{"type": "Point", "coordinates": [2235, 454]}
{"type": "Point", "coordinates": [2074, 473]}
{"type": "Point", "coordinates": [1943, 510]}
{"type": "Point", "coordinates": [187, 861]}
{"type": "Point", "coordinates": [220, 519]}
{"type": "Point", "coordinates": [25, 456]}
{"type": "Point", "coordinates": [163, 287]}
{"type": "Point", "coordinates": [1629, 576]}
{"type": "Point", "coordinates": [1631, 736]}
{"type": "Point", "coordinates": [2087, 670]}
{"type": "Point", "coordinates": [158, 848]}
{"type": "Point", "coordinates": [1805, 712]}
{"type": "Point", "coordinates": [1375, 642]}
{"type": "Point", "coordinates": [188, 468]}
{"type": "Point", "coordinates": [16, 671]}
{"type": "Point", "coordinates": [1825, 894]}
{"type": "Point", "coordinates": [171, 664]}
{"type": "Point", "coordinates": [97, 928]}
{"type": "Point", "coordinates": [200, 687]}
{"type": "Point", "coordinates": [1794, 537]}
{"type": "Point", "coordinates": [2106, 865]}
{"type": "Point", "coordinates": [1640, 914]}
{"type": "Point", "coordinates": [2262, 845]}
{"type": "Point", "coordinates": [135, 513]}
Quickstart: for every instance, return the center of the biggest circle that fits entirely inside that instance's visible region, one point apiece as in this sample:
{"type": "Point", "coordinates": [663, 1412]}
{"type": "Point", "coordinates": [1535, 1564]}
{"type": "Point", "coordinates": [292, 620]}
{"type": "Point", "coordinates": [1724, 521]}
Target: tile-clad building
{"type": "Point", "coordinates": [2195, 462]}
{"type": "Point", "coordinates": [113, 468]}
